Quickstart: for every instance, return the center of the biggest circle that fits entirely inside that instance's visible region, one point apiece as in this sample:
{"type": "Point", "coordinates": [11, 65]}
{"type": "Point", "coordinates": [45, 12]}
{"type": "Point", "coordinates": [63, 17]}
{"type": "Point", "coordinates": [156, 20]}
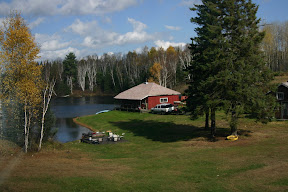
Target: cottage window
{"type": "Point", "coordinates": [164, 100]}
{"type": "Point", "coordinates": [280, 95]}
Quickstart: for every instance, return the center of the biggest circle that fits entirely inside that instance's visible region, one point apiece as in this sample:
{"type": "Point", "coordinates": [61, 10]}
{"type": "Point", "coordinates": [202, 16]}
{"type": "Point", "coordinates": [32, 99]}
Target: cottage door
{"type": "Point", "coordinates": [285, 111]}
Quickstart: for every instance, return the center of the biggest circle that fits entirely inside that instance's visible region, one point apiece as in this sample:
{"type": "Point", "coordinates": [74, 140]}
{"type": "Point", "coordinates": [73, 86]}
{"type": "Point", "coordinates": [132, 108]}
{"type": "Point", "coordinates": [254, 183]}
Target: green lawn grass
{"type": "Point", "coordinates": [161, 153]}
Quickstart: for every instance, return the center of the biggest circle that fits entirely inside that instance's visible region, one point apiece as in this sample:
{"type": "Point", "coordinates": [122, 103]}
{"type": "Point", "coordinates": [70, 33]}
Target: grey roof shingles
{"type": "Point", "coordinates": [285, 84]}
{"type": "Point", "coordinates": [144, 90]}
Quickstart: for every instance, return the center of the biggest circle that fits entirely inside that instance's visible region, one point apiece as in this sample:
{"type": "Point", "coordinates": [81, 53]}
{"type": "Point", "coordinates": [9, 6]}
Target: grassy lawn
{"type": "Point", "coordinates": [161, 153]}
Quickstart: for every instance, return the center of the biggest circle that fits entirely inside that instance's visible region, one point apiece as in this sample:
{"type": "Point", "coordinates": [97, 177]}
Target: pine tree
{"type": "Point", "coordinates": [245, 76]}
{"type": "Point", "coordinates": [228, 68]}
{"type": "Point", "coordinates": [207, 55]}
{"type": "Point", "coordinates": [70, 70]}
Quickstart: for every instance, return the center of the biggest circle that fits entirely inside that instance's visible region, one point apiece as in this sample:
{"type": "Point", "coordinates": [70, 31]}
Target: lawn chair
{"type": "Point", "coordinates": [122, 136]}
{"type": "Point", "coordinates": [110, 136]}
{"type": "Point", "coordinates": [115, 137]}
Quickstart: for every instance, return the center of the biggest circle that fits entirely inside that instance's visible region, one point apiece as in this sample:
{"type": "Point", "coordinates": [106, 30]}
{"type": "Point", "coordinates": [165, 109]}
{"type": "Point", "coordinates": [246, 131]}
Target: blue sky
{"type": "Point", "coordinates": [88, 27]}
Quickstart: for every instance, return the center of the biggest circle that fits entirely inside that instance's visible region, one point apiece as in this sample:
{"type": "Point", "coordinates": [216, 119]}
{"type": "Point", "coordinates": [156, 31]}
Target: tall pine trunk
{"type": "Point", "coordinates": [207, 119]}
{"type": "Point", "coordinates": [213, 122]}
{"type": "Point", "coordinates": [234, 120]}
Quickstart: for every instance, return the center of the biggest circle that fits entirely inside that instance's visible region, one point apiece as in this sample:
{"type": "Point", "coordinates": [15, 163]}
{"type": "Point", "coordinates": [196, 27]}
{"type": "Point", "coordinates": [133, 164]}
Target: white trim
{"type": "Point", "coordinates": [164, 98]}
{"type": "Point", "coordinates": [280, 95]}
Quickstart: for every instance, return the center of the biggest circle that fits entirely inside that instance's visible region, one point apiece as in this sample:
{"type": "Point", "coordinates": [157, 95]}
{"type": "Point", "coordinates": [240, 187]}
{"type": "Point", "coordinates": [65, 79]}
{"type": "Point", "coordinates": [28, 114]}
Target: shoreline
{"type": "Point", "coordinates": [83, 124]}
{"type": "Point", "coordinates": [87, 93]}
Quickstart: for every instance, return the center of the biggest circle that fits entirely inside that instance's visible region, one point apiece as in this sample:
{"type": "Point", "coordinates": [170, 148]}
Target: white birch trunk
{"type": "Point", "coordinates": [82, 69]}
{"type": "Point", "coordinates": [70, 83]}
{"type": "Point", "coordinates": [26, 128]}
{"type": "Point", "coordinates": [92, 72]}
{"type": "Point", "coordinates": [50, 89]}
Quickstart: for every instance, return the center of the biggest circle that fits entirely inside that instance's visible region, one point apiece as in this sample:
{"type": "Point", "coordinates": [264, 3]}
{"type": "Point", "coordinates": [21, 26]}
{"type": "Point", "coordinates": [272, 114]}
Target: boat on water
{"type": "Point", "coordinates": [104, 111]}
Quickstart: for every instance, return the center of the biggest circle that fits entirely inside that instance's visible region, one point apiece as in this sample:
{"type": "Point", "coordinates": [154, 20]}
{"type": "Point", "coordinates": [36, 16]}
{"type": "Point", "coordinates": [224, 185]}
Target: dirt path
{"type": "Point", "coordinates": [5, 173]}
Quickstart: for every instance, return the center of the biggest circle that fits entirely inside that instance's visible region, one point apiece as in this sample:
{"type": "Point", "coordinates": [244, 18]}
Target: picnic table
{"type": "Point", "coordinates": [99, 137]}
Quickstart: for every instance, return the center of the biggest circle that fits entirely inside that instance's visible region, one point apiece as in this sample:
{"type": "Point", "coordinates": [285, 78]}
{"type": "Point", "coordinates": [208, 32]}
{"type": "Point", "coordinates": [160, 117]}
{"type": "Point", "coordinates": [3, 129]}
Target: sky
{"type": "Point", "coordinates": [88, 27]}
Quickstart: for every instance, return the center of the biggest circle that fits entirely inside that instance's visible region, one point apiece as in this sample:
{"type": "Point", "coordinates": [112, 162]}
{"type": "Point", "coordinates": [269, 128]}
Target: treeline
{"type": "Point", "coordinates": [275, 46]}
{"type": "Point", "coordinates": [113, 73]}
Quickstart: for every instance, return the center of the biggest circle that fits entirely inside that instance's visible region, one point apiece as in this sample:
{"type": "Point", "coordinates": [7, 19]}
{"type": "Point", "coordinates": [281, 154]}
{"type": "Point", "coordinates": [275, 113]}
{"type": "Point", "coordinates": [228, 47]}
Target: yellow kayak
{"type": "Point", "coordinates": [232, 137]}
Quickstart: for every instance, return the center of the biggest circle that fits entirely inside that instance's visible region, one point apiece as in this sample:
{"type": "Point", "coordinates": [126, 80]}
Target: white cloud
{"type": "Point", "coordinates": [82, 28]}
{"type": "Point", "coordinates": [133, 37]}
{"type": "Point", "coordinates": [37, 22]}
{"type": "Point", "coordinates": [137, 25]}
{"type": "Point", "coordinates": [42, 38]}
{"type": "Point", "coordinates": [174, 28]}
{"type": "Point", "coordinates": [106, 20]}
{"type": "Point", "coordinates": [65, 7]}
{"type": "Point", "coordinates": [91, 42]}
{"type": "Point", "coordinates": [31, 25]}
{"type": "Point", "coordinates": [95, 7]}
{"type": "Point", "coordinates": [32, 7]}
{"type": "Point", "coordinates": [52, 46]}
{"type": "Point", "coordinates": [138, 35]}
{"type": "Point", "coordinates": [96, 37]}
{"type": "Point", "coordinates": [166, 44]}
{"type": "Point", "coordinates": [61, 53]}
{"type": "Point", "coordinates": [139, 50]}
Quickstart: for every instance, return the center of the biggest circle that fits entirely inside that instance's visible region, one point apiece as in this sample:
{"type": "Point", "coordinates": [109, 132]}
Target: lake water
{"type": "Point", "coordinates": [65, 109]}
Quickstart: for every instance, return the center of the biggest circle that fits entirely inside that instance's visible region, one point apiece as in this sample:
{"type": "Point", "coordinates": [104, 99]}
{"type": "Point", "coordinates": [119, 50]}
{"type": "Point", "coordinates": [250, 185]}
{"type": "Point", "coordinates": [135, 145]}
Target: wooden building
{"type": "Point", "coordinates": [282, 98]}
{"type": "Point", "coordinates": [146, 96]}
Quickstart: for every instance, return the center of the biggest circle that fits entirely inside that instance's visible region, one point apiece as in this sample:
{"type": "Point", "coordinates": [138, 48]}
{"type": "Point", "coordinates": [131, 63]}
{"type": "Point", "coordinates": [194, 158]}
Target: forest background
{"type": "Point", "coordinates": [112, 73]}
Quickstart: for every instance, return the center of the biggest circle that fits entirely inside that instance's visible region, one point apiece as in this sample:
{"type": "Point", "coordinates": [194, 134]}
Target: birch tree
{"type": "Point", "coordinates": [22, 75]}
{"type": "Point", "coordinates": [92, 71]}
{"type": "Point", "coordinates": [110, 62]}
{"type": "Point", "coordinates": [162, 60]}
{"type": "Point", "coordinates": [119, 73]}
{"type": "Point", "coordinates": [59, 69]}
{"type": "Point", "coordinates": [47, 95]}
{"type": "Point", "coordinates": [275, 46]}
{"type": "Point", "coordinates": [172, 60]}
{"type": "Point", "coordinates": [82, 68]}
{"type": "Point", "coordinates": [185, 59]}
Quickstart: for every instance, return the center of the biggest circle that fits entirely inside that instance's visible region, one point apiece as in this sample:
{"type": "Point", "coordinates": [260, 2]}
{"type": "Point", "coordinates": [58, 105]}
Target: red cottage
{"type": "Point", "coordinates": [146, 95]}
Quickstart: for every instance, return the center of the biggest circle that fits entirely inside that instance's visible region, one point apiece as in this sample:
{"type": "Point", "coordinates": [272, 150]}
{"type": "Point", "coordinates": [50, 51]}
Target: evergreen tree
{"type": "Point", "coordinates": [70, 65]}
{"type": "Point", "coordinates": [207, 56]}
{"type": "Point", "coordinates": [245, 76]}
{"type": "Point", "coordinates": [70, 70]}
{"type": "Point", "coordinates": [228, 67]}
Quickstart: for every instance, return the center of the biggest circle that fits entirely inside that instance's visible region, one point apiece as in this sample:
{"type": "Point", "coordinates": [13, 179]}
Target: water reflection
{"type": "Point", "coordinates": [65, 109]}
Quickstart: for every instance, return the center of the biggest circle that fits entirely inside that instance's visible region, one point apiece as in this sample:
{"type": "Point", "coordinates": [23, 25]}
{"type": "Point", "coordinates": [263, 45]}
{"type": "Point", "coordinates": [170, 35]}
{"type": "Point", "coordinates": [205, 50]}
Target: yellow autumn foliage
{"type": "Point", "coordinates": [155, 72]}
{"type": "Point", "coordinates": [22, 75]}
{"type": "Point", "coordinates": [268, 39]}
{"type": "Point", "coordinates": [171, 51]}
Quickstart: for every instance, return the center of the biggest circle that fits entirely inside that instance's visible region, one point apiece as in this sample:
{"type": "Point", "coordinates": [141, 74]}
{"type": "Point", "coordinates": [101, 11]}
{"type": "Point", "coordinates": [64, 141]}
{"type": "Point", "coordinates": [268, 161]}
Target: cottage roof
{"type": "Point", "coordinates": [144, 90]}
{"type": "Point", "coordinates": [285, 84]}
